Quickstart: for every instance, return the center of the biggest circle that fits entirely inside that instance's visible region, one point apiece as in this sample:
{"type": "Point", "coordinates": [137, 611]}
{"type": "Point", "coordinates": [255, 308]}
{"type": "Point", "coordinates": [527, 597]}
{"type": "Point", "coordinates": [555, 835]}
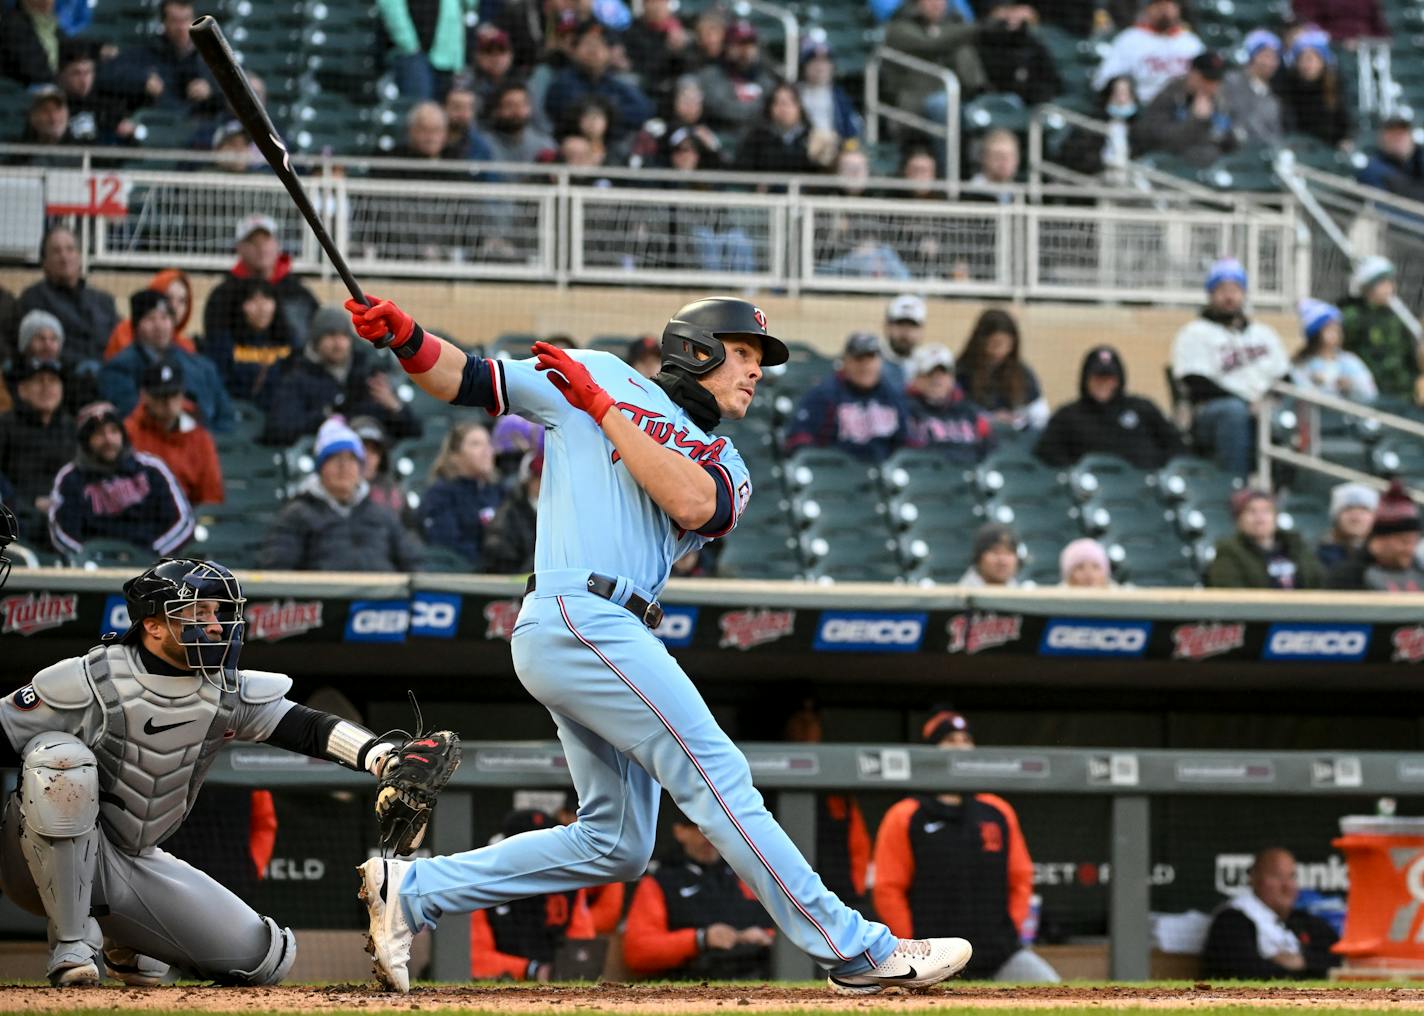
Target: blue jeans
{"type": "Point", "coordinates": [417, 80]}
{"type": "Point", "coordinates": [729, 251]}
{"type": "Point", "coordinates": [1224, 427]}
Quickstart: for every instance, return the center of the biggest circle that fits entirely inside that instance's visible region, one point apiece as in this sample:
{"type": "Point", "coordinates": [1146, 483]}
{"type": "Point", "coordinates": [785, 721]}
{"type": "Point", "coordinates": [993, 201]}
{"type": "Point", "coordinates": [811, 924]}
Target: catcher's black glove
{"type": "Point", "coordinates": [413, 777]}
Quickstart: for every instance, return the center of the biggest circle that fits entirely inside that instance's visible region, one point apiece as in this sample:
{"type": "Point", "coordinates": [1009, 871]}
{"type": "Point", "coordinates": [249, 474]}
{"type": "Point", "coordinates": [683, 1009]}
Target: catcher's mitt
{"type": "Point", "coordinates": [413, 777]}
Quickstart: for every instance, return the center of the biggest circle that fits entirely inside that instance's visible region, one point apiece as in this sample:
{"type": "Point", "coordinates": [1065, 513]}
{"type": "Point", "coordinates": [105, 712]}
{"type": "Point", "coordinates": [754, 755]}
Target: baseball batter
{"type": "Point", "coordinates": [113, 750]}
{"type": "Point", "coordinates": [634, 477]}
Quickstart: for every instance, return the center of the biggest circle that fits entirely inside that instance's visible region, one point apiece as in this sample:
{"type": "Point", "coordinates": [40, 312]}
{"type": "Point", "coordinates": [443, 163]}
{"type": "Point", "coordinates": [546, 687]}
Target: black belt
{"type": "Point", "coordinates": [647, 611]}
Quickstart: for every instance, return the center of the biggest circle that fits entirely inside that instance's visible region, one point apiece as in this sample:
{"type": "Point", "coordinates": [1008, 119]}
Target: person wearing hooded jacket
{"type": "Point", "coordinates": [259, 255]}
{"type": "Point", "coordinates": [1105, 418]}
{"type": "Point", "coordinates": [174, 284]}
{"type": "Point", "coordinates": [332, 524]}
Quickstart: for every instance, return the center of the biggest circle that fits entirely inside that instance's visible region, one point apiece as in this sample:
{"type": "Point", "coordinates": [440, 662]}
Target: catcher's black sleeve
{"type": "Point", "coordinates": [304, 730]}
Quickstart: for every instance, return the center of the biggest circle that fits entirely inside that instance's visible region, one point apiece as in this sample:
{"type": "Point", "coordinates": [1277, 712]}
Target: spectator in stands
{"type": "Point", "coordinates": [645, 355]}
{"type": "Point", "coordinates": [1105, 418]}
{"type": "Point", "coordinates": [251, 356]}
{"type": "Point", "coordinates": [493, 66]}
{"type": "Point", "coordinates": [709, 38]}
{"type": "Point", "coordinates": [41, 337]}
{"type": "Point", "coordinates": [942, 417]}
{"type": "Point", "coordinates": [1247, 94]}
{"type": "Point", "coordinates": [780, 143]}
{"type": "Point", "coordinates": [921, 243]}
{"type": "Point", "coordinates": [174, 284]}
{"type": "Point", "coordinates": [853, 242]}
{"type": "Point", "coordinates": [1188, 117]}
{"type": "Point", "coordinates": [234, 149]}
{"type": "Point", "coordinates": [689, 110]}
{"type": "Point", "coordinates": [1225, 362]}
{"type": "Point", "coordinates": [1397, 163]}
{"type": "Point", "coordinates": [1312, 100]}
{"type": "Point", "coordinates": [591, 118]}
{"type": "Point", "coordinates": [1157, 49]}
{"type": "Point", "coordinates": [427, 131]}
{"type": "Point", "coordinates": [464, 493]}
{"type": "Point", "coordinates": [47, 123]}
{"type": "Point", "coordinates": [1083, 564]}
{"type": "Point", "coordinates": [994, 376]}
{"type": "Point", "coordinates": [427, 45]}
{"type": "Point", "coordinates": [513, 438]}
{"type": "Point", "coordinates": [385, 489]}
{"type": "Point", "coordinates": [325, 379]}
{"type": "Point", "coordinates": [1322, 364]}
{"type": "Point", "coordinates": [693, 919]}
{"type": "Point", "coordinates": [1015, 59]}
{"type": "Point", "coordinates": [9, 321]}
{"type": "Point", "coordinates": [259, 256]}
{"type": "Point", "coordinates": [87, 314]}
{"type": "Point", "coordinates": [998, 168]}
{"type": "Point", "coordinates": [463, 140]}
{"type": "Point", "coordinates": [994, 557]}
{"type": "Point", "coordinates": [857, 409]}
{"type": "Point", "coordinates": [508, 544]}
{"type": "Point", "coordinates": [1352, 516]}
{"type": "Point", "coordinates": [331, 524]}
{"type": "Point", "coordinates": [1259, 934]}
{"type": "Point", "coordinates": [166, 70]}
{"type": "Point", "coordinates": [511, 136]}
{"type": "Point", "coordinates": [1387, 562]}
{"type": "Point", "coordinates": [1259, 555]}
{"type": "Point", "coordinates": [1092, 152]}
{"type": "Point", "coordinates": [904, 331]}
{"type": "Point", "coordinates": [111, 492]}
{"type": "Point", "coordinates": [958, 864]}
{"type": "Point", "coordinates": [932, 31]}
{"type": "Point", "coordinates": [590, 73]}
{"type": "Point", "coordinates": [121, 377]}
{"type": "Point", "coordinates": [735, 89]}
{"type": "Point", "coordinates": [1375, 333]}
{"type": "Point", "coordinates": [520, 940]}
{"type": "Point", "coordinates": [36, 436]}
{"type": "Point", "coordinates": [93, 119]}
{"type": "Point", "coordinates": [657, 45]}
{"type": "Point", "coordinates": [161, 426]}
{"type": "Point", "coordinates": [1345, 21]}
{"type": "Point", "coordinates": [30, 38]}
{"type": "Point", "coordinates": [827, 106]}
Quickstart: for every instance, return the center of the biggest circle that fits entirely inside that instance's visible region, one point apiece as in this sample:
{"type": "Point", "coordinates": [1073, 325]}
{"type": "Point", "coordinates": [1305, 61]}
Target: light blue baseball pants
{"type": "Point", "coordinates": [630, 720]}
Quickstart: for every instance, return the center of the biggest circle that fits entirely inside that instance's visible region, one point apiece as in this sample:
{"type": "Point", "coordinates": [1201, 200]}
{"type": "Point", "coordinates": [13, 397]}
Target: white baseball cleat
{"type": "Point", "coordinates": [388, 940]}
{"type": "Point", "coordinates": [915, 963]}
{"type": "Point", "coordinates": [79, 975]}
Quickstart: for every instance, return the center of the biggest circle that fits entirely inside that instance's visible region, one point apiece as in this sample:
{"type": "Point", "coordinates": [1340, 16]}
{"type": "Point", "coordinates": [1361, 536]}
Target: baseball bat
{"type": "Point", "coordinates": [213, 47]}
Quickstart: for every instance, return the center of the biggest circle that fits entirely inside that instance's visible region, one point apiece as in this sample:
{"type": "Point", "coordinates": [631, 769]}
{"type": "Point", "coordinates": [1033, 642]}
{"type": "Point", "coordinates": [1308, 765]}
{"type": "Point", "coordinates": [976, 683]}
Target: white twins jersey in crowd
{"type": "Point", "coordinates": [1150, 58]}
{"type": "Point", "coordinates": [1244, 363]}
{"type": "Point", "coordinates": [592, 513]}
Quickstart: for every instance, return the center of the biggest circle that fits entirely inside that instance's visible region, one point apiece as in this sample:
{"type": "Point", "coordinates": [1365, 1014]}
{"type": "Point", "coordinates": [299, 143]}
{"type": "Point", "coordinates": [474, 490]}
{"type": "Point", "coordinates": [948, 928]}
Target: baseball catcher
{"type": "Point", "coordinates": [113, 749]}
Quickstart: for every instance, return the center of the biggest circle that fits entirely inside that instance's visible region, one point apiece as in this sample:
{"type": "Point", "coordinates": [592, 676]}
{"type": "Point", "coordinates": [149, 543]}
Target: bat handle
{"type": "Point", "coordinates": [356, 292]}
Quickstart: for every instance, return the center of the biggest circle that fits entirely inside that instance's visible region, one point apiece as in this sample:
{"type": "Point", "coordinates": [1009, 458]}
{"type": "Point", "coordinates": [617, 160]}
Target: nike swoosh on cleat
{"type": "Point", "coordinates": [385, 879]}
{"type": "Point", "coordinates": [900, 977]}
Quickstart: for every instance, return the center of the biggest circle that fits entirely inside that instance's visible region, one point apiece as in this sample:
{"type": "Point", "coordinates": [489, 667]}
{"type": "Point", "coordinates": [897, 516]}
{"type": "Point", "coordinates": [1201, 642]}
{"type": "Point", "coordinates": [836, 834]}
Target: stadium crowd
{"type": "Point", "coordinates": [111, 426]}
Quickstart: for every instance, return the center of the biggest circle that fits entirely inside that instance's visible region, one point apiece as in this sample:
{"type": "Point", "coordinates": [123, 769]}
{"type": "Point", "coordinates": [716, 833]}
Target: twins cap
{"type": "Point", "coordinates": [906, 307]}
{"type": "Point", "coordinates": [862, 344]}
{"type": "Point", "coordinates": [162, 378]}
{"type": "Point", "coordinates": [254, 223]}
{"type": "Point", "coordinates": [929, 358]}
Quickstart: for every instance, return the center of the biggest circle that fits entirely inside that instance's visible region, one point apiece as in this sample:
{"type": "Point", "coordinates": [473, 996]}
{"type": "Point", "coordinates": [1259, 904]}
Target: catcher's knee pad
{"type": "Point", "coordinates": [273, 967]}
{"type": "Point", "coordinates": [59, 786]}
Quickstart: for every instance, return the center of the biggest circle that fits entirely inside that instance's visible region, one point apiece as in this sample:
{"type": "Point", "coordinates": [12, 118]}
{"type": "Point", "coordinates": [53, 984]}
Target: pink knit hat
{"type": "Point", "coordinates": [1081, 551]}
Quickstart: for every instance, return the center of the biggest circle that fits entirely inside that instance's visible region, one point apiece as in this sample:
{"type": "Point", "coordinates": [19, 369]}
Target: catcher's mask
{"type": "Point", "coordinates": [9, 533]}
{"type": "Point", "coordinates": [204, 600]}
{"type": "Point", "coordinates": [692, 340]}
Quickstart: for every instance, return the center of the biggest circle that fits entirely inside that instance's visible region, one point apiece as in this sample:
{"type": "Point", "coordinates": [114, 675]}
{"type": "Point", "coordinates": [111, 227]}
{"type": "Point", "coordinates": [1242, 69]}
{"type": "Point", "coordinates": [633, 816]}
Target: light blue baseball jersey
{"type": "Point", "coordinates": [592, 513]}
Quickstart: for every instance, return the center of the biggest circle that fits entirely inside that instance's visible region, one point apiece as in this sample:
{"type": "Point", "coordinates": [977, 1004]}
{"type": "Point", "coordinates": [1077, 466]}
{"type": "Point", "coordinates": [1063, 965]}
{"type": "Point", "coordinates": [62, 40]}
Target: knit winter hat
{"type": "Point", "coordinates": [1225, 270]}
{"type": "Point", "coordinates": [35, 322]}
{"type": "Point", "coordinates": [330, 318]}
{"type": "Point", "coordinates": [334, 437]}
{"type": "Point", "coordinates": [1244, 497]}
{"type": "Point", "coordinates": [1397, 512]}
{"type": "Point", "coordinates": [1315, 315]}
{"type": "Point", "coordinates": [1353, 495]}
{"type": "Point", "coordinates": [943, 722]}
{"type": "Point", "coordinates": [991, 535]}
{"type": "Point", "coordinates": [1369, 271]}
{"type": "Point", "coordinates": [94, 414]}
{"type": "Point", "coordinates": [1082, 551]}
{"type": "Point", "coordinates": [515, 434]}
{"type": "Point", "coordinates": [1311, 38]}
{"type": "Point", "coordinates": [143, 302]}
{"type": "Point", "coordinates": [1258, 40]}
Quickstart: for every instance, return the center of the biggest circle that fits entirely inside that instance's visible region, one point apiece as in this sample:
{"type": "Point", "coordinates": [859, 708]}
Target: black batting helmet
{"type": "Point", "coordinates": [9, 533]}
{"type": "Point", "coordinates": [701, 326]}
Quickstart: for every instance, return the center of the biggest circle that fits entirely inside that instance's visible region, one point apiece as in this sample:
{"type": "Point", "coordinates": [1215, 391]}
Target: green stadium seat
{"type": "Point", "coordinates": [1399, 456]}
{"type": "Point", "coordinates": [444, 560]}
{"type": "Point", "coordinates": [113, 554]}
{"type": "Point", "coordinates": [1194, 480]}
{"type": "Point", "coordinates": [512, 345]}
{"type": "Point", "coordinates": [919, 474]}
{"type": "Point", "coordinates": [826, 472]}
{"type": "Point", "coordinates": [765, 553]}
{"type": "Point", "coordinates": [862, 560]}
{"type": "Point", "coordinates": [1103, 475]}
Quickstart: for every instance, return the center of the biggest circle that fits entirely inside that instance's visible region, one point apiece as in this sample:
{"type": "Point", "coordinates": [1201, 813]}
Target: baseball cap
{"type": "Point", "coordinates": [369, 429]}
{"type": "Point", "coordinates": [741, 31]}
{"type": "Point", "coordinates": [931, 358]}
{"type": "Point", "coordinates": [26, 367]}
{"type": "Point", "coordinates": [1102, 361]}
{"type": "Point", "coordinates": [814, 46]}
{"type": "Point", "coordinates": [862, 344]}
{"type": "Point", "coordinates": [47, 93]}
{"type": "Point", "coordinates": [162, 378]}
{"type": "Point", "coordinates": [1209, 65]}
{"type": "Point", "coordinates": [1402, 116]}
{"type": "Point", "coordinates": [490, 38]}
{"type": "Point", "coordinates": [225, 133]}
{"type": "Point", "coordinates": [906, 307]}
{"type": "Point", "coordinates": [1242, 498]}
{"type": "Point", "coordinates": [257, 221]}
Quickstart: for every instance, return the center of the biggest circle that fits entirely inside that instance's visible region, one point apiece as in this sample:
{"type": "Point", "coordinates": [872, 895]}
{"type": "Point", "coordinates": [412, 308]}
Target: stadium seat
{"type": "Point", "coordinates": [859, 560]}
{"type": "Point", "coordinates": [1114, 516]}
{"type": "Point", "coordinates": [512, 345]}
{"type": "Point", "coordinates": [441, 560]}
{"type": "Point", "coordinates": [1400, 456]}
{"type": "Point", "coordinates": [112, 554]}
{"type": "Point", "coordinates": [1019, 480]}
{"type": "Point", "coordinates": [615, 344]}
{"type": "Point", "coordinates": [827, 473]}
{"type": "Point", "coordinates": [919, 474]}
{"type": "Point", "coordinates": [1102, 475]}
{"type": "Point", "coordinates": [941, 563]}
{"type": "Point", "coordinates": [766, 553]}
{"type": "Point", "coordinates": [1194, 480]}
{"type": "Point", "coordinates": [1208, 521]}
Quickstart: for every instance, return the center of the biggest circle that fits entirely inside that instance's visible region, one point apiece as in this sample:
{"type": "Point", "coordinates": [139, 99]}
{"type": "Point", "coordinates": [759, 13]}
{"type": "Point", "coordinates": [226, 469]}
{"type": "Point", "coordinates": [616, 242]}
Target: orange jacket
{"type": "Point", "coordinates": [488, 961]}
{"type": "Point", "coordinates": [605, 903]}
{"type": "Point", "coordinates": [650, 946]}
{"type": "Point", "coordinates": [895, 865]}
{"type": "Point", "coordinates": [188, 451]}
{"type": "Point", "coordinates": [122, 335]}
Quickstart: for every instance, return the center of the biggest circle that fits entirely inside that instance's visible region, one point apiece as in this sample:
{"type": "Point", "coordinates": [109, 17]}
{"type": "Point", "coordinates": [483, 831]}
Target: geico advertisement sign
{"type": "Point", "coordinates": [866, 632]}
{"type": "Point", "coordinates": [1317, 642]}
{"type": "Point", "coordinates": [1095, 638]}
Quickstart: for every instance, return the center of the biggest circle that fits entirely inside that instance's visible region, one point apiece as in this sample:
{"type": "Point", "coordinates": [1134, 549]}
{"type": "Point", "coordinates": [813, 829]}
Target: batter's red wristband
{"type": "Point", "coordinates": [425, 354]}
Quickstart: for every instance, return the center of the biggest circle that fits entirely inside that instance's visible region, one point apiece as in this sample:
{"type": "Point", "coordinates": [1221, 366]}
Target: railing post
{"type": "Point", "coordinates": [1263, 439]}
{"type": "Point", "coordinates": [796, 813]}
{"type": "Point", "coordinates": [951, 132]}
{"type": "Point", "coordinates": [1129, 931]}
{"type": "Point", "coordinates": [450, 833]}
{"type": "Point", "coordinates": [872, 100]}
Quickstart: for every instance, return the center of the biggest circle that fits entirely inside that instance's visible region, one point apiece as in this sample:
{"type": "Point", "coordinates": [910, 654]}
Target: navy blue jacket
{"type": "Point", "coordinates": [307, 393]}
{"type": "Point", "coordinates": [455, 512]}
{"type": "Point", "coordinates": [631, 107]}
{"type": "Point", "coordinates": [870, 424]}
{"type": "Point", "coordinates": [121, 378]}
{"type": "Point", "coordinates": [137, 500]}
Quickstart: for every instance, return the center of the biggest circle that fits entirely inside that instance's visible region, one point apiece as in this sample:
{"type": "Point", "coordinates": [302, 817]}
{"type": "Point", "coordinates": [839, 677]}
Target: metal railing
{"type": "Point", "coordinates": [875, 107]}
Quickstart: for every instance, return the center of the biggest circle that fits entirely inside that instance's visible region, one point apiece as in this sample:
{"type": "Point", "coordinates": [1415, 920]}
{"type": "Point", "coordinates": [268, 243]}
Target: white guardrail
{"type": "Point", "coordinates": [563, 224]}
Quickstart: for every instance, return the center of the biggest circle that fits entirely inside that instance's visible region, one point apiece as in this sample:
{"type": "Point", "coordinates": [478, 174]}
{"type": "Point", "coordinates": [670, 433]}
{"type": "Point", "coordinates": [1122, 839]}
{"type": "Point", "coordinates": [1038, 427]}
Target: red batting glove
{"type": "Point", "coordinates": [573, 379]}
{"type": "Point", "coordinates": [382, 318]}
